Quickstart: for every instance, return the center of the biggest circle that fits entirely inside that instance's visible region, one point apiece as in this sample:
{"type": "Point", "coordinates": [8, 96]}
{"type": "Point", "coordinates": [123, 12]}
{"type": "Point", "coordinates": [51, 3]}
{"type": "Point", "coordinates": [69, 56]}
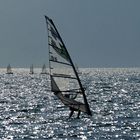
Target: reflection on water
{"type": "Point", "coordinates": [29, 111]}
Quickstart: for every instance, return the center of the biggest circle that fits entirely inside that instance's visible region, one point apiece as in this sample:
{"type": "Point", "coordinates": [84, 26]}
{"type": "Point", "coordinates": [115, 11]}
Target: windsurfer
{"type": "Point", "coordinates": [72, 109]}
{"type": "Point", "coordinates": [58, 54]}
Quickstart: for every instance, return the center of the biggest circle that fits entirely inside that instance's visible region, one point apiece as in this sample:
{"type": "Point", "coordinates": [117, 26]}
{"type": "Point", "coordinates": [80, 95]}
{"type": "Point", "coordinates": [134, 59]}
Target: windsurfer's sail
{"type": "Point", "coordinates": [9, 69]}
{"type": "Point", "coordinates": [77, 69]}
{"type": "Point", "coordinates": [44, 70]}
{"type": "Point", "coordinates": [65, 82]}
{"type": "Point", "coordinates": [31, 69]}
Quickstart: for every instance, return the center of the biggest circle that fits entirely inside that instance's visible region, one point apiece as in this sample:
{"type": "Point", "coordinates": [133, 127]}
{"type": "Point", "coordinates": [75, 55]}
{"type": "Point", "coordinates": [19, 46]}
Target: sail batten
{"type": "Point", "coordinates": [56, 61]}
{"type": "Point", "coordinates": [63, 74]}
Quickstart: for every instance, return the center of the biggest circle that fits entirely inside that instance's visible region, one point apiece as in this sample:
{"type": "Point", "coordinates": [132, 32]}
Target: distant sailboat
{"type": "Point", "coordinates": [77, 69]}
{"type": "Point", "coordinates": [65, 82]}
{"type": "Point", "coordinates": [44, 70]}
{"type": "Point", "coordinates": [9, 69]}
{"type": "Point", "coordinates": [31, 69]}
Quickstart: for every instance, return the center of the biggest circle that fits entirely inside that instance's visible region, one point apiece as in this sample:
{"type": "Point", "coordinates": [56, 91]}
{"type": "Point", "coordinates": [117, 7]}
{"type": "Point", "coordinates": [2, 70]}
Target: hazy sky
{"type": "Point", "coordinates": [97, 33]}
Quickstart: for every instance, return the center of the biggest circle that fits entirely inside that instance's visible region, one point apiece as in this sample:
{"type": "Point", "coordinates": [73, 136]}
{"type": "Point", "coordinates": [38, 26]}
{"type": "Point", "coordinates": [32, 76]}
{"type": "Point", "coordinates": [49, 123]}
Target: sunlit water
{"type": "Point", "coordinates": [29, 111]}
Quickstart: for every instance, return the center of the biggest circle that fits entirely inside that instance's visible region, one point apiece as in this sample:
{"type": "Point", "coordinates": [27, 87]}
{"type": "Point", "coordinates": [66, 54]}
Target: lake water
{"type": "Point", "coordinates": [29, 111]}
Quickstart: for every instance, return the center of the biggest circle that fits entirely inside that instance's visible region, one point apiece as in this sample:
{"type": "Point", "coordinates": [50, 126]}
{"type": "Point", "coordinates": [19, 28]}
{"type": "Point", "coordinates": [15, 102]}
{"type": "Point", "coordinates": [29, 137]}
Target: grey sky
{"type": "Point", "coordinates": [97, 33]}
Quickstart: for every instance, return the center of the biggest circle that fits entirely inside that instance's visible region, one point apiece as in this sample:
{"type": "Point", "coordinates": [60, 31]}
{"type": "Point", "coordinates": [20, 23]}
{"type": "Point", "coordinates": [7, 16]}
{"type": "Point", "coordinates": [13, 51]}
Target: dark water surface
{"type": "Point", "coordinates": [29, 111]}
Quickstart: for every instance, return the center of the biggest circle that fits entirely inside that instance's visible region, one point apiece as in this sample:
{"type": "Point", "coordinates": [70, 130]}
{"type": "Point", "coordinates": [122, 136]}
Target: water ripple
{"type": "Point", "coordinates": [29, 111]}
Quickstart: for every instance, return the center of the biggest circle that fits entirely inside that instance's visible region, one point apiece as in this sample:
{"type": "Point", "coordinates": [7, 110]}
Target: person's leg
{"type": "Point", "coordinates": [78, 114]}
{"type": "Point", "coordinates": [71, 113]}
